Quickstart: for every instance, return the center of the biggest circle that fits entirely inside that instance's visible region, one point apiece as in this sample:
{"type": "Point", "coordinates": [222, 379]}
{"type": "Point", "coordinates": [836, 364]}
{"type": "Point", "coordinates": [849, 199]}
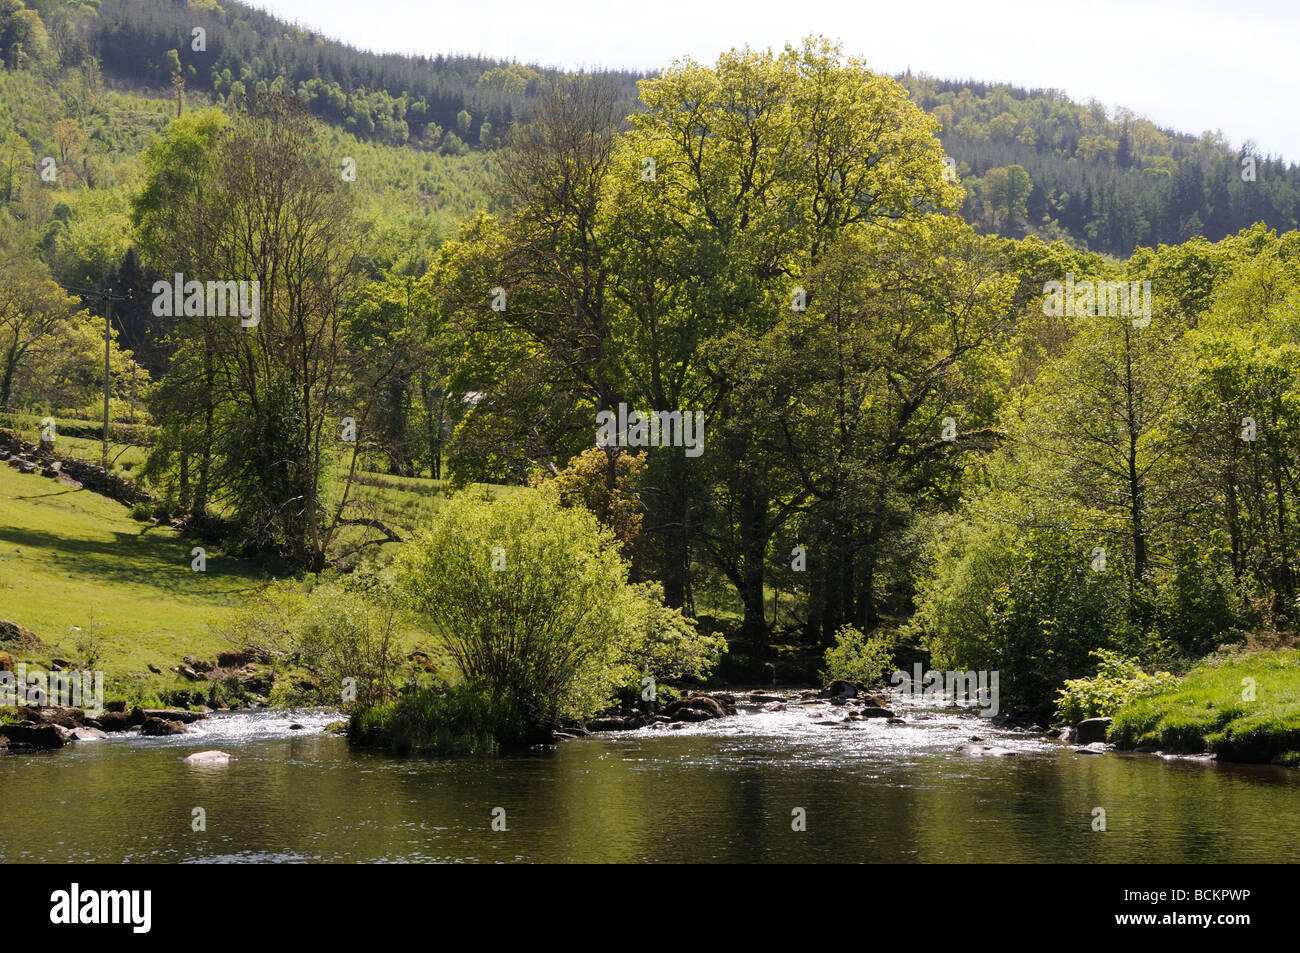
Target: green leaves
{"type": "Point", "coordinates": [533, 601]}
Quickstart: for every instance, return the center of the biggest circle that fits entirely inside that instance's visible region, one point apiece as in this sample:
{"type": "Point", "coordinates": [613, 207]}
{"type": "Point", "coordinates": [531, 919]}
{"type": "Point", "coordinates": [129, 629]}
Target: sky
{"type": "Point", "coordinates": [1189, 65]}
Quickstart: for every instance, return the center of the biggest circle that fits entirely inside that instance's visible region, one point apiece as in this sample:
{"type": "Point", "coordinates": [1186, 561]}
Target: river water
{"type": "Point", "coordinates": [726, 790]}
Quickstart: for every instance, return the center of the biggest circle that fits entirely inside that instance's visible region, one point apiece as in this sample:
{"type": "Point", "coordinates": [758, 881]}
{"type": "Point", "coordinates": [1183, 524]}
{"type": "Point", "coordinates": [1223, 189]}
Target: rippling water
{"type": "Point", "coordinates": [725, 790]}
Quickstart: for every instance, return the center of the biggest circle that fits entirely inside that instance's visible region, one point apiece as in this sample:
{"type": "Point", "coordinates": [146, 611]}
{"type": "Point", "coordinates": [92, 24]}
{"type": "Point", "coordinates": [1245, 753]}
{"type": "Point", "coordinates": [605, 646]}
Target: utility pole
{"type": "Point", "coordinates": [108, 343]}
{"type": "Point", "coordinates": [108, 323]}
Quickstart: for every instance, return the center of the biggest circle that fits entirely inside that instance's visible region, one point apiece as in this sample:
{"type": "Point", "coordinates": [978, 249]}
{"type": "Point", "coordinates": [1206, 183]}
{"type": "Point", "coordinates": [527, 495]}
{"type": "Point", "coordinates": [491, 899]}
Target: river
{"type": "Point", "coordinates": [724, 791]}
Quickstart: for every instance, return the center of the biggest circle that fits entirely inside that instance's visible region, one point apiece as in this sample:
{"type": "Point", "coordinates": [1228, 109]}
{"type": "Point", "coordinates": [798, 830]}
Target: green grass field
{"type": "Point", "coordinates": [105, 591]}
{"type": "Point", "coordinates": [70, 558]}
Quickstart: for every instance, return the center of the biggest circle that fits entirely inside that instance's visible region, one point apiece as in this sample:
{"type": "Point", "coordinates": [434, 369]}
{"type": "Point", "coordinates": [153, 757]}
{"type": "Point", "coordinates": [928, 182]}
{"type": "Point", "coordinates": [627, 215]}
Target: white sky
{"type": "Point", "coordinates": [1190, 65]}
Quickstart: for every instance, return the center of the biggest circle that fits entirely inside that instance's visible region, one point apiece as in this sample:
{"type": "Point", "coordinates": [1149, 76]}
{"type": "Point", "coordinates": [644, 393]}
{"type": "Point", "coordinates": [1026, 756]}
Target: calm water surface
{"type": "Point", "coordinates": [718, 791]}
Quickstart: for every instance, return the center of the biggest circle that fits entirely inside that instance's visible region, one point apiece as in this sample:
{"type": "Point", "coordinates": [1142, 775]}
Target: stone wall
{"type": "Point", "coordinates": [29, 458]}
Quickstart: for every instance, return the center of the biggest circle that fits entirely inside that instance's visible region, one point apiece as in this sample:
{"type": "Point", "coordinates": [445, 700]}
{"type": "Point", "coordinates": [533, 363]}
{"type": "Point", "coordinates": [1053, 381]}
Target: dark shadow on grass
{"type": "Point", "coordinates": [119, 560]}
{"type": "Point", "coordinates": [47, 496]}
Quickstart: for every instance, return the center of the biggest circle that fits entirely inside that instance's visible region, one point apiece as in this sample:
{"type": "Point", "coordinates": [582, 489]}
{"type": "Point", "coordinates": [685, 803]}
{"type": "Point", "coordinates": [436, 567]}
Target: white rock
{"type": "Point", "coordinates": [209, 757]}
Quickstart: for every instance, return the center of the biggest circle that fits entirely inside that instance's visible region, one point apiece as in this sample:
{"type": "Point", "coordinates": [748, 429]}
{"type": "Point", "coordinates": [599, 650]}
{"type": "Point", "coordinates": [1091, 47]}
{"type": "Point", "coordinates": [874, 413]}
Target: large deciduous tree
{"type": "Point", "coordinates": [264, 205]}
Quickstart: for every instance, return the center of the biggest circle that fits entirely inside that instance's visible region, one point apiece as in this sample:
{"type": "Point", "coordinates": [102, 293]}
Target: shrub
{"type": "Point", "coordinates": [339, 628]}
{"type": "Point", "coordinates": [966, 565]}
{"type": "Point", "coordinates": [533, 601]}
{"type": "Point", "coordinates": [856, 657]}
{"type": "Point", "coordinates": [665, 643]}
{"type": "Point", "coordinates": [1050, 615]}
{"type": "Point", "coordinates": [1118, 681]}
{"type": "Point", "coordinates": [263, 626]}
{"type": "Point", "coordinates": [347, 632]}
{"type": "Point", "coordinates": [140, 512]}
{"type": "Point", "coordinates": [1197, 607]}
{"type": "Point", "coordinates": [462, 720]}
{"type": "Point", "coordinates": [527, 595]}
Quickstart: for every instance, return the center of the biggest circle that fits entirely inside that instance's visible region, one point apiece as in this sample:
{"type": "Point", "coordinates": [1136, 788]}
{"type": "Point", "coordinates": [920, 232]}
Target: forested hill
{"type": "Point", "coordinates": [393, 99]}
{"type": "Point", "coordinates": [1032, 161]}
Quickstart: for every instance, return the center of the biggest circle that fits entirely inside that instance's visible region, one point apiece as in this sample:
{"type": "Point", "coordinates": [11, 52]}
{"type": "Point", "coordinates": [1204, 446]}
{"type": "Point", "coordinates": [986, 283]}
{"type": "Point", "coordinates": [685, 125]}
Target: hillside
{"type": "Point", "coordinates": [1035, 162]}
{"type": "Point", "coordinates": [447, 101]}
{"type": "Point", "coordinates": [1032, 161]}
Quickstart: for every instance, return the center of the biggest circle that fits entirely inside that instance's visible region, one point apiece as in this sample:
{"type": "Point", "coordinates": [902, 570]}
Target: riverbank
{"type": "Point", "coordinates": [1244, 708]}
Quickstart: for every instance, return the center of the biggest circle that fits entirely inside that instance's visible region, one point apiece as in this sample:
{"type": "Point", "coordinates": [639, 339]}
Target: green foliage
{"type": "Point", "coordinates": [828, 422]}
{"type": "Point", "coordinates": [337, 629]}
{"type": "Point", "coordinates": [263, 626]}
{"type": "Point", "coordinates": [666, 644]}
{"type": "Point", "coordinates": [967, 562]}
{"type": "Point", "coordinates": [533, 602]}
{"type": "Point", "coordinates": [1118, 681]}
{"type": "Point", "coordinates": [347, 635]}
{"type": "Point", "coordinates": [855, 656]}
{"type": "Point", "coordinates": [463, 720]}
{"type": "Point", "coordinates": [1243, 708]}
{"type": "Point", "coordinates": [24, 41]}
{"type": "Point", "coordinates": [1049, 617]}
{"type": "Point", "coordinates": [606, 482]}
{"type": "Point", "coordinates": [1198, 606]}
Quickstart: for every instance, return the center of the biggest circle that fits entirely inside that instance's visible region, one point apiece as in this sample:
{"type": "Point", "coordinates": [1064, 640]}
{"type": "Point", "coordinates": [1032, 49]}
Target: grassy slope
{"type": "Point", "coordinates": [71, 558]}
{"type": "Point", "coordinates": [1210, 709]}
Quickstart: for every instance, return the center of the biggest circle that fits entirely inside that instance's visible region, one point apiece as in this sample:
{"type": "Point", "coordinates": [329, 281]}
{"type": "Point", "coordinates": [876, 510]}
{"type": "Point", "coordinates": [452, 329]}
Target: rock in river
{"type": "Point", "coordinates": [989, 750]}
{"type": "Point", "coordinates": [156, 727]}
{"type": "Point", "coordinates": [684, 714]}
{"type": "Point", "coordinates": [875, 711]}
{"type": "Point", "coordinates": [209, 757]}
{"type": "Point", "coordinates": [1091, 730]}
{"type": "Point", "coordinates": [173, 714]}
{"type": "Point", "coordinates": [1097, 747]}
{"type": "Point", "coordinates": [37, 736]}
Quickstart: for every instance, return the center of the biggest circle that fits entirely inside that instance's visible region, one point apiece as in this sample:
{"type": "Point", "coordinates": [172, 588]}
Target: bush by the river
{"type": "Point", "coordinates": [533, 601]}
{"type": "Point", "coordinates": [857, 657]}
{"type": "Point", "coordinates": [1037, 607]}
{"type": "Point", "coordinates": [334, 628]}
{"type": "Point", "coordinates": [1118, 681]}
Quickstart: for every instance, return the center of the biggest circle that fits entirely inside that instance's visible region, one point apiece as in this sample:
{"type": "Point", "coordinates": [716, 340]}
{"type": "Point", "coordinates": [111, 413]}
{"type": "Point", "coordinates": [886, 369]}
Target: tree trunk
{"type": "Point", "coordinates": [753, 541]}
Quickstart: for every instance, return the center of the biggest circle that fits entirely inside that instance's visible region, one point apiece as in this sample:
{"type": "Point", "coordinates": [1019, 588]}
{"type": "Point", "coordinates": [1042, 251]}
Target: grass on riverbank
{"type": "Point", "coordinates": [104, 591]}
{"type": "Point", "coordinates": [462, 720]}
{"type": "Point", "coordinates": [1243, 708]}
{"type": "Point", "coordinates": [91, 582]}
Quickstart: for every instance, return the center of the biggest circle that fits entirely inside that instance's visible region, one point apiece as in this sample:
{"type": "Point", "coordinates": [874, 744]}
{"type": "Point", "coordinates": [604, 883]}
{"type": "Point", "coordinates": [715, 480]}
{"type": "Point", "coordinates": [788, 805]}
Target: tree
{"type": "Point", "coordinates": [1236, 415]}
{"type": "Point", "coordinates": [24, 42]}
{"type": "Point", "coordinates": [267, 210]}
{"type": "Point", "coordinates": [867, 401]}
{"type": "Point", "coordinates": [762, 163]}
{"type": "Point", "coordinates": [538, 350]}
{"type": "Point", "coordinates": [1093, 436]}
{"type": "Point", "coordinates": [16, 161]}
{"type": "Point", "coordinates": [37, 321]}
{"type": "Point", "coordinates": [1006, 193]}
